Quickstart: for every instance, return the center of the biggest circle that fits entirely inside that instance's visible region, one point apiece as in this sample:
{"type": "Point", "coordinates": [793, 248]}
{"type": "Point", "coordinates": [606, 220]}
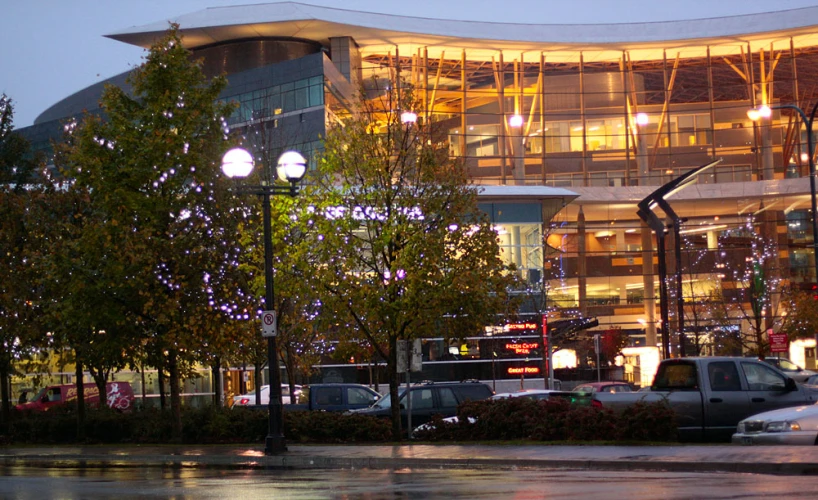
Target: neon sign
{"type": "Point", "coordinates": [522, 348]}
{"type": "Point", "coordinates": [524, 370]}
{"type": "Point", "coordinates": [522, 326]}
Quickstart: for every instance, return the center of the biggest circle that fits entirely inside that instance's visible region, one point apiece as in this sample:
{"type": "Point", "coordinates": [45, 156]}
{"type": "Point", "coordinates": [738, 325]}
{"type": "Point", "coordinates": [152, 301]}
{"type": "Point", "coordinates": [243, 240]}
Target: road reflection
{"type": "Point", "coordinates": [196, 483]}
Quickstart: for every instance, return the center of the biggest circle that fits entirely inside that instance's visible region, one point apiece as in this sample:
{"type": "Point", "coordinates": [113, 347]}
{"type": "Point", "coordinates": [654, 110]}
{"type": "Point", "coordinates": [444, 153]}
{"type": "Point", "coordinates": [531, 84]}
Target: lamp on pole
{"type": "Point", "coordinates": [765, 112]}
{"type": "Point", "coordinates": [291, 167]}
{"type": "Point", "coordinates": [658, 198]}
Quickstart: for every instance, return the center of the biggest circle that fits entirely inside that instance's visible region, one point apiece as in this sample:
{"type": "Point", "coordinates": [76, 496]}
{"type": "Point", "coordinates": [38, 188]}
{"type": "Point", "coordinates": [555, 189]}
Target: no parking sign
{"type": "Point", "coordinates": [268, 324]}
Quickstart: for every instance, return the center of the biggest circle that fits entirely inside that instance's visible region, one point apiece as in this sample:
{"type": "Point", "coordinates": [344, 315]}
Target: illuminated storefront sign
{"type": "Point", "coordinates": [524, 370]}
{"type": "Point", "coordinates": [521, 326]}
{"type": "Point", "coordinates": [523, 347]}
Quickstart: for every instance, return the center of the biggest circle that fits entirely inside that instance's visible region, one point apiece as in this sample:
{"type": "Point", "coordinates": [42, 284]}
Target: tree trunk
{"type": "Point", "coordinates": [5, 393]}
{"type": "Point", "coordinates": [257, 382]}
{"type": "Point", "coordinates": [215, 376]}
{"type": "Point", "coordinates": [175, 398]}
{"type": "Point", "coordinates": [392, 367]}
{"type": "Point", "coordinates": [80, 399]}
{"type": "Point", "coordinates": [160, 381]}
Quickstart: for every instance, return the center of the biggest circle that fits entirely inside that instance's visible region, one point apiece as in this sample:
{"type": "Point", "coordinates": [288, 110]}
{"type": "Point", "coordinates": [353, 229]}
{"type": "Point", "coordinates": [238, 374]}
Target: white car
{"type": "Point", "coordinates": [797, 425]}
{"type": "Point", "coordinates": [250, 397]}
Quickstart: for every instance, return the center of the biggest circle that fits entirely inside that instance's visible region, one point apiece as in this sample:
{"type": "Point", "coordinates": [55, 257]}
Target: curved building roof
{"type": "Point", "coordinates": [291, 19]}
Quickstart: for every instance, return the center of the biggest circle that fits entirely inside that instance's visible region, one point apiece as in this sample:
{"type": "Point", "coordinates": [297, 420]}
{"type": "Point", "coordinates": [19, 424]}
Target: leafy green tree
{"type": "Point", "coordinates": [801, 320]}
{"type": "Point", "coordinates": [20, 195]}
{"type": "Point", "coordinates": [164, 221]}
{"type": "Point", "coordinates": [404, 251]}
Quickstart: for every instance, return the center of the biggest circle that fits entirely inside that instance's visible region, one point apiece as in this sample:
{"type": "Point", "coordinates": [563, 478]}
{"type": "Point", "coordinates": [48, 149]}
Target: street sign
{"type": "Point", "coordinates": [778, 342]}
{"type": "Point", "coordinates": [268, 324]}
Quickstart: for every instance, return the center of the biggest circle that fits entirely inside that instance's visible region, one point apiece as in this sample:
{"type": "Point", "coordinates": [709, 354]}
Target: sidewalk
{"type": "Point", "coordinates": [712, 458]}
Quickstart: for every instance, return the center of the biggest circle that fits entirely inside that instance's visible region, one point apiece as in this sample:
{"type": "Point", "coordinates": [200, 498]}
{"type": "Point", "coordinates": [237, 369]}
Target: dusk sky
{"type": "Point", "coordinates": [53, 48]}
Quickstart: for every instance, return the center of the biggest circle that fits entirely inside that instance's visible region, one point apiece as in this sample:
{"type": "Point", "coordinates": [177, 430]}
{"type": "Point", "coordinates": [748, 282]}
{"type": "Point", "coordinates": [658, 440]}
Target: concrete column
{"type": "Point", "coordinates": [517, 247]}
{"type": "Point", "coordinates": [712, 240]}
{"type": "Point", "coordinates": [649, 301]}
{"type": "Point", "coordinates": [621, 246]}
{"type": "Point", "coordinates": [582, 265]}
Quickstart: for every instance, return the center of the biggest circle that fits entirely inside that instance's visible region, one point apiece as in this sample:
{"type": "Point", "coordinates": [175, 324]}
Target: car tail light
{"type": "Point", "coordinates": [244, 401]}
{"type": "Point", "coordinates": [595, 403]}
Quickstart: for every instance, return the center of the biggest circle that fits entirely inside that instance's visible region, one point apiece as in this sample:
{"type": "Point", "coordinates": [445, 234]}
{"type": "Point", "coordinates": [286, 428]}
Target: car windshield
{"type": "Point", "coordinates": [386, 401]}
{"type": "Point", "coordinates": [788, 365]}
{"type": "Point", "coordinates": [39, 395]}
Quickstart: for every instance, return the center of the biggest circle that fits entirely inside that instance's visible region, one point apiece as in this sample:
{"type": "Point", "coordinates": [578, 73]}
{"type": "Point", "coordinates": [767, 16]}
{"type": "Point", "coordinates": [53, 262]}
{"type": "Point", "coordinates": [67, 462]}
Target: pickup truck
{"type": "Point", "coordinates": [710, 395]}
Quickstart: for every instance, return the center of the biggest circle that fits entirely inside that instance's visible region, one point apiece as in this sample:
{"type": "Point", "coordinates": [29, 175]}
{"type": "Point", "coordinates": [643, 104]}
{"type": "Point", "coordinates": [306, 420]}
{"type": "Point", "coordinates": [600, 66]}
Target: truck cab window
{"type": "Point", "coordinates": [676, 376]}
{"type": "Point", "coordinates": [723, 376]}
{"type": "Point", "coordinates": [762, 378]}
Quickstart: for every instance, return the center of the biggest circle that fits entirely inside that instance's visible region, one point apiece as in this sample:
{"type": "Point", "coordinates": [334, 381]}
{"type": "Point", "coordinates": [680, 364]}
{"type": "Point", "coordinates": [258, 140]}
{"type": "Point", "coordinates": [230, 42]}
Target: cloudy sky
{"type": "Point", "coordinates": [53, 48]}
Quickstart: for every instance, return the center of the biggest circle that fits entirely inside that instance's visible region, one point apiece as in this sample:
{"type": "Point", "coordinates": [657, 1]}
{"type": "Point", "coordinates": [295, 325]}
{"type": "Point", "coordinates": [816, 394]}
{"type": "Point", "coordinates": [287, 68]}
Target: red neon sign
{"type": "Point", "coordinates": [522, 348]}
{"type": "Point", "coordinates": [521, 326]}
{"type": "Point", "coordinates": [525, 370]}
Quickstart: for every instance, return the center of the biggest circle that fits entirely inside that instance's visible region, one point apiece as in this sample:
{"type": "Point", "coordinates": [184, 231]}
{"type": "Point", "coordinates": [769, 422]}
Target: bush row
{"type": "Point", "coordinates": [553, 420]}
{"type": "Point", "coordinates": [200, 426]}
{"type": "Point", "coordinates": [504, 419]}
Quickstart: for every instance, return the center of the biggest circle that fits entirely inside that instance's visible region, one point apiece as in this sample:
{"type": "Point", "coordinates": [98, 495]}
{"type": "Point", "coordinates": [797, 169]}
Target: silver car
{"type": "Point", "coordinates": [790, 426]}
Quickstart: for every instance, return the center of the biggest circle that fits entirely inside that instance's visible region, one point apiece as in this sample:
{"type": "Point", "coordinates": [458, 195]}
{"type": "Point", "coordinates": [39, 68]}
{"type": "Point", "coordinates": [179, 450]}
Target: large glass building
{"type": "Point", "coordinates": [566, 129]}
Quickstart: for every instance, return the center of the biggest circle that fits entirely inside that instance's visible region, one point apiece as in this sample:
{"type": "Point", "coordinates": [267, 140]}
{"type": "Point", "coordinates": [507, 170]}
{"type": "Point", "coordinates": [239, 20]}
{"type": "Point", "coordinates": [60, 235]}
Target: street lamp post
{"type": "Point", "coordinates": [291, 168]}
{"type": "Point", "coordinates": [764, 112]}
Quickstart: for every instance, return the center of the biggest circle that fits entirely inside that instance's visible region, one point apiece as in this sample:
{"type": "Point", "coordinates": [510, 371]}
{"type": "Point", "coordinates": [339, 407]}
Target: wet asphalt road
{"type": "Point", "coordinates": [19, 482]}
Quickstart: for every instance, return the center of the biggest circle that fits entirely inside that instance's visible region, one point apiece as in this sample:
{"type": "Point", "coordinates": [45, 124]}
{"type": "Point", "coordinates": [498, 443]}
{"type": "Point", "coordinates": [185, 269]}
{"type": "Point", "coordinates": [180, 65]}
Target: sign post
{"type": "Point", "coordinates": [778, 342]}
{"type": "Point", "coordinates": [268, 324]}
{"type": "Point", "coordinates": [596, 350]}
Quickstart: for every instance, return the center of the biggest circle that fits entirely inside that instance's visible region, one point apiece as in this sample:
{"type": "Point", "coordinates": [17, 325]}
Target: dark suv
{"type": "Point", "coordinates": [431, 398]}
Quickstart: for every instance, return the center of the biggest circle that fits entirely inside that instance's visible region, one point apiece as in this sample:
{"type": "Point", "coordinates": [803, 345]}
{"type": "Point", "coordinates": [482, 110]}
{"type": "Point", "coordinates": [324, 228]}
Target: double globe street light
{"type": "Point", "coordinates": [291, 167]}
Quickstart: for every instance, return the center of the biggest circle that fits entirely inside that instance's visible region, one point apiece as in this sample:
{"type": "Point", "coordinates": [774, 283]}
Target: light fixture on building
{"type": "Point", "coordinates": [515, 121]}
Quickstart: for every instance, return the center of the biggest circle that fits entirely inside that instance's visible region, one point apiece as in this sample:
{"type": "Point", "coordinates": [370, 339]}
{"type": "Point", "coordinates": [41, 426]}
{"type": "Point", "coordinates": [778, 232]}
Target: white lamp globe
{"type": "Point", "coordinates": [291, 166]}
{"type": "Point", "coordinates": [237, 163]}
{"type": "Point", "coordinates": [408, 117]}
{"type": "Point", "coordinates": [515, 121]}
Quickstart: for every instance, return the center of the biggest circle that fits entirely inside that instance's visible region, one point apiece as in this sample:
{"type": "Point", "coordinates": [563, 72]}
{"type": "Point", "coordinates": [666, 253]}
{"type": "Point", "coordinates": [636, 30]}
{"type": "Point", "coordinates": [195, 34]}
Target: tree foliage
{"type": "Point", "coordinates": [157, 245]}
{"type": "Point", "coordinates": [404, 251]}
{"type": "Point", "coordinates": [21, 198]}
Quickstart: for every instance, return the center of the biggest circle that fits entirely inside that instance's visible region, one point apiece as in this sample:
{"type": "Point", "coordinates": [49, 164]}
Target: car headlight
{"type": "Point", "coordinates": [740, 429]}
{"type": "Point", "coordinates": [782, 426]}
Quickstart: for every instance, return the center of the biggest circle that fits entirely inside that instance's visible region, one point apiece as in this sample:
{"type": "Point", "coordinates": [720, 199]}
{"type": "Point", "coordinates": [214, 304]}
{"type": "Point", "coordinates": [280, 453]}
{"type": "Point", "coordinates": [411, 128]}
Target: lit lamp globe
{"type": "Point", "coordinates": [291, 167]}
{"type": "Point", "coordinates": [237, 163]}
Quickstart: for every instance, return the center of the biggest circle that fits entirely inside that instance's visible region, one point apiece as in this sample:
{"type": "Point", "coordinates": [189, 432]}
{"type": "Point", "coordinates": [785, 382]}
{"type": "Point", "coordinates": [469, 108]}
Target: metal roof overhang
{"type": "Point", "coordinates": [379, 33]}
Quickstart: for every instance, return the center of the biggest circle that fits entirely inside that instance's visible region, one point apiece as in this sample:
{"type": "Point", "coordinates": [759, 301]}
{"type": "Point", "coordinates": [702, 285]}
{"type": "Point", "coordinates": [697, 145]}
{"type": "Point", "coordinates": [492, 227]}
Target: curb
{"type": "Point", "coordinates": [323, 462]}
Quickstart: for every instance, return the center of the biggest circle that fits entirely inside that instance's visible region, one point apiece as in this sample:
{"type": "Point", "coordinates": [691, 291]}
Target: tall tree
{"type": "Point", "coordinates": [165, 221]}
{"type": "Point", "coordinates": [405, 252]}
{"type": "Point", "coordinates": [20, 194]}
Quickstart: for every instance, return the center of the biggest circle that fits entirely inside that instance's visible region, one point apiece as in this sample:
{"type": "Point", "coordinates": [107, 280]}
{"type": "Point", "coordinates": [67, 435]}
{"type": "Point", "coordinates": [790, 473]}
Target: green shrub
{"type": "Point", "coordinates": [552, 420]}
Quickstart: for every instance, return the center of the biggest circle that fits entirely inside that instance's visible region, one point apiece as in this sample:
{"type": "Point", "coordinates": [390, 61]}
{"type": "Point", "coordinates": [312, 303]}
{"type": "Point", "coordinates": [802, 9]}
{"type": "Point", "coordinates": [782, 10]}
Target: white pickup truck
{"type": "Point", "coordinates": [711, 395]}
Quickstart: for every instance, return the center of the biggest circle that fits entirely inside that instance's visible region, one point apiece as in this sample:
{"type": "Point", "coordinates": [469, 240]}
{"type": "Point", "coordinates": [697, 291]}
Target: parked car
{"type": "Point", "coordinates": [593, 387]}
{"type": "Point", "coordinates": [430, 398]}
{"type": "Point", "coordinates": [250, 397]}
{"type": "Point", "coordinates": [711, 395]}
{"type": "Point", "coordinates": [790, 369]}
{"type": "Point", "coordinates": [812, 380]}
{"type": "Point", "coordinates": [536, 394]}
{"type": "Point", "coordinates": [788, 426]}
{"type": "Point", "coordinates": [334, 397]}
{"type": "Point", "coordinates": [119, 396]}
